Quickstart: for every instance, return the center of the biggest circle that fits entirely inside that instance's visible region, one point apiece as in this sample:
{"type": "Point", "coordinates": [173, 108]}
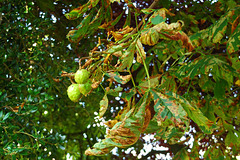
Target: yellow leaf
{"type": "Point", "coordinates": [238, 83]}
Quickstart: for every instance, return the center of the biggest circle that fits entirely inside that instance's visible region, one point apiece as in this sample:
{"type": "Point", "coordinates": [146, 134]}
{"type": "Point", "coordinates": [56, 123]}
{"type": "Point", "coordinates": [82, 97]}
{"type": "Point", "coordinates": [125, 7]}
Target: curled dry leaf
{"type": "Point", "coordinates": [111, 123]}
{"type": "Point", "coordinates": [124, 133]}
{"type": "Point", "coordinates": [95, 85]}
{"type": "Point", "coordinates": [179, 35]}
{"type": "Point", "coordinates": [164, 26]}
{"type": "Point", "coordinates": [121, 32]}
{"type": "Point", "coordinates": [149, 37]}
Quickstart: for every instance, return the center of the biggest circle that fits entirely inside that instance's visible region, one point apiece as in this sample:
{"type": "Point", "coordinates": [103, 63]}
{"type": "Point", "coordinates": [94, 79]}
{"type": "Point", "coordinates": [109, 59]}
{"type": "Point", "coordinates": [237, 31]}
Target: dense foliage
{"type": "Point", "coordinates": [166, 68]}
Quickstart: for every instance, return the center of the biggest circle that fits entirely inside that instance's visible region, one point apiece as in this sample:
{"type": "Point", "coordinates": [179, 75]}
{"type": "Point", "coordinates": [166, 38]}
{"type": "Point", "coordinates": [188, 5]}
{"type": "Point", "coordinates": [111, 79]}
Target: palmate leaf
{"type": "Point", "coordinates": [195, 114]}
{"type": "Point", "coordinates": [125, 132]}
{"type": "Point", "coordinates": [216, 32]}
{"type": "Point", "coordinates": [170, 105]}
{"type": "Point", "coordinates": [170, 117]}
{"type": "Point", "coordinates": [203, 65]}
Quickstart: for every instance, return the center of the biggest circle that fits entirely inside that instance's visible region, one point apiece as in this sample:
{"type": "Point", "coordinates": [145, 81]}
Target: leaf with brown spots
{"type": "Point", "coordinates": [126, 132]}
{"type": "Point", "coordinates": [119, 78]}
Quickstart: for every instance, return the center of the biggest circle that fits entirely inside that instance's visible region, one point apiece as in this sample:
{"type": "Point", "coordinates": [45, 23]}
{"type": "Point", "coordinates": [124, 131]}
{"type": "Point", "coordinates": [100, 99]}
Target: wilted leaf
{"type": "Point", "coordinates": [219, 29]}
{"type": "Point", "coordinates": [126, 59]}
{"type": "Point", "coordinates": [179, 35]}
{"type": "Point", "coordinates": [159, 13]}
{"type": "Point", "coordinates": [149, 37]}
{"type": "Point", "coordinates": [103, 106]}
{"type": "Point", "coordinates": [147, 11]}
{"type": "Point", "coordinates": [111, 24]}
{"type": "Point", "coordinates": [118, 78]}
{"type": "Point", "coordinates": [124, 133]}
{"type": "Point", "coordinates": [167, 107]}
{"type": "Point", "coordinates": [111, 123]}
{"type": "Point", "coordinates": [77, 12]}
{"type": "Point", "coordinates": [141, 55]}
{"type": "Point", "coordinates": [164, 26]}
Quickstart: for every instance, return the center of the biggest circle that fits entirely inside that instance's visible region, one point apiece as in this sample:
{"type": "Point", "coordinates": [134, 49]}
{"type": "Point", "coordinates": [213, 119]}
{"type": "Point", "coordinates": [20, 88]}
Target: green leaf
{"type": "Point", "coordinates": [129, 94]}
{"type": "Point", "coordinates": [6, 116]}
{"type": "Point", "coordinates": [94, 2]}
{"type": "Point", "coordinates": [233, 43]}
{"type": "Point", "coordinates": [78, 12]}
{"type": "Point", "coordinates": [115, 92]}
{"type": "Point", "coordinates": [219, 89]}
{"type": "Point", "coordinates": [128, 19]}
{"type": "Point", "coordinates": [231, 139]}
{"type": "Point", "coordinates": [182, 155]}
{"type": "Point", "coordinates": [103, 106]}
{"type": "Point", "coordinates": [158, 19]}
{"type": "Point", "coordinates": [197, 116]}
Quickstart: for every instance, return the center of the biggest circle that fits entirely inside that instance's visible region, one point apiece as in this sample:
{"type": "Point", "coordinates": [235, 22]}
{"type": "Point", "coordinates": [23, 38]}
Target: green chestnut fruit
{"type": "Point", "coordinates": [73, 92]}
{"type": "Point", "coordinates": [85, 88]}
{"type": "Point", "coordinates": [81, 76]}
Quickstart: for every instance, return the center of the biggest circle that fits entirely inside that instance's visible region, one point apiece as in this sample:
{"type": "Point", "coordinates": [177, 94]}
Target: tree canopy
{"type": "Point", "coordinates": [167, 68]}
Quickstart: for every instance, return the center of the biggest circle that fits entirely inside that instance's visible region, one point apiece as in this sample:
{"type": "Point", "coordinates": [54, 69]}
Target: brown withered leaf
{"type": "Point", "coordinates": [180, 35]}
{"type": "Point", "coordinates": [15, 109]}
{"type": "Point", "coordinates": [111, 123]}
{"type": "Point", "coordinates": [103, 106]}
{"type": "Point", "coordinates": [95, 84]}
{"type": "Point", "coordinates": [118, 78]}
{"type": "Point", "coordinates": [121, 32]}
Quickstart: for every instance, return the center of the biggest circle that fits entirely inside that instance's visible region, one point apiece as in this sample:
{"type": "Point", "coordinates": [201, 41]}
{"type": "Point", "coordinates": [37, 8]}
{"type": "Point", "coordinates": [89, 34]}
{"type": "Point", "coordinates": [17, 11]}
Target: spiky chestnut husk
{"type": "Point", "coordinates": [85, 88]}
{"type": "Point", "coordinates": [81, 76]}
{"type": "Point", "coordinates": [73, 92]}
